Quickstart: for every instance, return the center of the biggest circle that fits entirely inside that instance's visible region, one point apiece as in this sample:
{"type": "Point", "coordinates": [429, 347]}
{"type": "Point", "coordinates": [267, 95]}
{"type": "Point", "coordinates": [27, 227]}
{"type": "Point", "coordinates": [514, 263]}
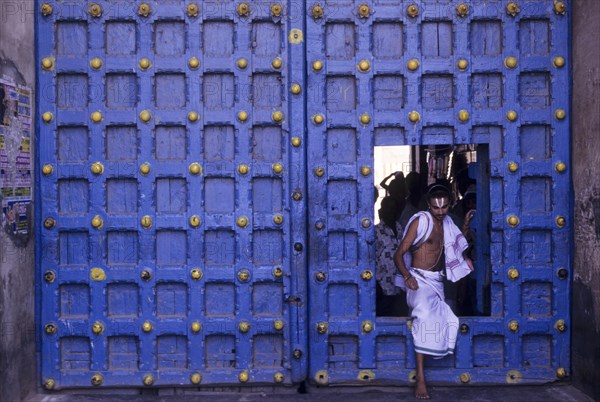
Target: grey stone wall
{"type": "Point", "coordinates": [586, 181]}
{"type": "Point", "coordinates": [17, 290]}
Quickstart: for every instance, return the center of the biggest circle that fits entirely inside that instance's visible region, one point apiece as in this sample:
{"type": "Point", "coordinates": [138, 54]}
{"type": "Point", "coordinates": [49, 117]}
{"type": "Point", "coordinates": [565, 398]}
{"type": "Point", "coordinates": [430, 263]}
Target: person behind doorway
{"type": "Point", "coordinates": [432, 247]}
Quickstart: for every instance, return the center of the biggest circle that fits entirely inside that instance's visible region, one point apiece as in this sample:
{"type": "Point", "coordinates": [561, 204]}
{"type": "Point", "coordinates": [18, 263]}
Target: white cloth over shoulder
{"type": "Point", "coordinates": [434, 325]}
{"type": "Point", "coordinates": [454, 246]}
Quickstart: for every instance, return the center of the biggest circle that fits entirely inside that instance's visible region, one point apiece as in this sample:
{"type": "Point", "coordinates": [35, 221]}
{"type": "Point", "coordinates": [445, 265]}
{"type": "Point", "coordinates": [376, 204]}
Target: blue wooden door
{"type": "Point", "coordinates": [167, 168]}
{"type": "Point", "coordinates": [426, 73]}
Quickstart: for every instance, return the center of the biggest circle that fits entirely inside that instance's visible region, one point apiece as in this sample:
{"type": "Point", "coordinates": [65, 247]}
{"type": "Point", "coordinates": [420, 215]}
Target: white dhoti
{"type": "Point", "coordinates": [434, 325]}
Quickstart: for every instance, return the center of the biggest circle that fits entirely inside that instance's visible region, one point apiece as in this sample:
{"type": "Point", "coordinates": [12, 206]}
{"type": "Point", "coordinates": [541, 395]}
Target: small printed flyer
{"type": "Point", "coordinates": [15, 155]}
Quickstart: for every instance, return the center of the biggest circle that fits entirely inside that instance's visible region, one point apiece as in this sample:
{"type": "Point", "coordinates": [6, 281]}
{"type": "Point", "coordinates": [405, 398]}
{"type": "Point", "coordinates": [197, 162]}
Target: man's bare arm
{"type": "Point", "coordinates": [404, 247]}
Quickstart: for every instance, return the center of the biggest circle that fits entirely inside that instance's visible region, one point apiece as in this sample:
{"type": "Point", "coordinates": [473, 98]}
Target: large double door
{"type": "Point", "coordinates": [205, 186]}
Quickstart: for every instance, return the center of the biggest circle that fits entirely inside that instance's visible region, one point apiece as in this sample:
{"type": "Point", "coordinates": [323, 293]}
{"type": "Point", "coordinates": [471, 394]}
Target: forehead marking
{"type": "Point", "coordinates": [439, 202]}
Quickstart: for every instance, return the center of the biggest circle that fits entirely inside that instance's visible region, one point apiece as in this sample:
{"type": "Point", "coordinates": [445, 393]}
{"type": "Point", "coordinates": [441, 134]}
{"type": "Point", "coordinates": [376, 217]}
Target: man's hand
{"type": "Point", "coordinates": [412, 283]}
{"type": "Point", "coordinates": [470, 263]}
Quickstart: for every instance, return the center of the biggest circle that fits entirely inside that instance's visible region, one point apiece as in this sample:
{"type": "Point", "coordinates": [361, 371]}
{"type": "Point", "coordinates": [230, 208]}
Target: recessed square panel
{"type": "Point", "coordinates": [534, 90]}
{"type": "Point", "coordinates": [536, 299]}
{"type": "Point", "coordinates": [219, 143]}
{"type": "Point", "coordinates": [219, 299]}
{"type": "Point", "coordinates": [486, 91]}
{"type": "Point", "coordinates": [121, 38]}
{"type": "Point", "coordinates": [537, 350]}
{"type": "Point", "coordinates": [171, 299]}
{"type": "Point", "coordinates": [123, 353]}
{"type": "Point", "coordinates": [438, 135]}
{"type": "Point", "coordinates": [536, 246]}
{"type": "Point", "coordinates": [266, 38]}
{"type": "Point", "coordinates": [219, 247]}
{"type": "Point", "coordinates": [342, 248]}
{"type": "Point", "coordinates": [219, 351]}
{"type": "Point", "coordinates": [387, 136]}
{"type": "Point", "coordinates": [73, 248]}
{"type": "Point", "coordinates": [71, 38]}
{"type": "Point", "coordinates": [341, 93]}
{"type": "Point", "coordinates": [488, 351]}
{"type": "Point", "coordinates": [169, 38]}
{"type": "Point", "coordinates": [438, 92]}
{"type": "Point", "coordinates": [536, 194]}
{"type": "Point", "coordinates": [343, 300]}
{"type": "Point", "coordinates": [391, 352]}
{"type": "Point", "coordinates": [217, 38]}
{"type": "Point", "coordinates": [534, 37]}
{"type": "Point", "coordinates": [219, 194]}
{"type": "Point", "coordinates": [171, 247]}
{"type": "Point", "coordinates": [340, 41]}
{"type": "Point", "coordinates": [267, 247]}
{"type": "Point", "coordinates": [436, 38]}
{"type": "Point", "coordinates": [218, 91]}
{"type": "Point", "coordinates": [388, 92]}
{"type": "Point", "coordinates": [267, 351]}
{"type": "Point", "coordinates": [72, 144]}
{"type": "Point", "coordinates": [73, 196]}
{"type": "Point", "coordinates": [388, 40]}
{"type": "Point", "coordinates": [342, 204]}
{"type": "Point", "coordinates": [121, 196]}
{"type": "Point", "coordinates": [170, 91]}
{"type": "Point", "coordinates": [123, 247]}
{"type": "Point", "coordinates": [122, 144]}
{"type": "Point", "coordinates": [267, 298]}
{"type": "Point", "coordinates": [267, 195]}
{"type": "Point", "coordinates": [122, 300]}
{"type": "Point", "coordinates": [75, 353]}
{"type": "Point", "coordinates": [72, 91]}
{"type": "Point", "coordinates": [171, 195]}
{"type": "Point", "coordinates": [486, 38]}
{"type": "Point", "coordinates": [121, 91]}
{"type": "Point", "coordinates": [170, 142]}
{"type": "Point", "coordinates": [171, 352]}
{"type": "Point", "coordinates": [341, 145]}
{"type": "Point", "coordinates": [266, 91]}
{"type": "Point", "coordinates": [535, 142]}
{"type": "Point", "coordinates": [74, 300]}
{"type": "Point", "coordinates": [266, 143]}
{"type": "Point", "coordinates": [342, 352]}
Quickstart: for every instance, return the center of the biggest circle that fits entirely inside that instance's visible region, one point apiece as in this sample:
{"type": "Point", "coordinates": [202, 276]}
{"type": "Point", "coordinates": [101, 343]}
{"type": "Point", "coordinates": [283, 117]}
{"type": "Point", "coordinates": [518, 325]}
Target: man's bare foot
{"type": "Point", "coordinates": [421, 390]}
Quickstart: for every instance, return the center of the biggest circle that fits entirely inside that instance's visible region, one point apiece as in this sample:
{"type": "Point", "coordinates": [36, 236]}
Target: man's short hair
{"type": "Point", "coordinates": [438, 191]}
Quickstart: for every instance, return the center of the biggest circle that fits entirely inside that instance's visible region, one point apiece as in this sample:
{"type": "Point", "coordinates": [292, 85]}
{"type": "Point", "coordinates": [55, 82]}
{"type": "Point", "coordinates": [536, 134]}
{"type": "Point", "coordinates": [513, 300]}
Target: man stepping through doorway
{"type": "Point", "coordinates": [432, 246]}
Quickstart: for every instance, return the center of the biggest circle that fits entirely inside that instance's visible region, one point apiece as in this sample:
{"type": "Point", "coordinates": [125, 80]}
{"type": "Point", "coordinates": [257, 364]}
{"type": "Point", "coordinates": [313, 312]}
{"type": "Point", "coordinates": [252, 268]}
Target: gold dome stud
{"type": "Point", "coordinates": [148, 380]}
{"type": "Point", "coordinates": [144, 63]}
{"type": "Point", "coordinates": [146, 222]}
{"type": "Point", "coordinates": [196, 378]}
{"type": "Point", "coordinates": [278, 219]}
{"type": "Point", "coordinates": [365, 119]}
{"type": "Point", "coordinates": [243, 9]}
{"type": "Point", "coordinates": [513, 166]}
{"type": "Point", "coordinates": [296, 196]}
{"type": "Point", "coordinates": [193, 116]}
{"type": "Point", "coordinates": [463, 116]}
{"type": "Point", "coordinates": [144, 9]}
{"type": "Point", "coordinates": [322, 327]}
{"type": "Point", "coordinates": [147, 326]}
{"type": "Point", "coordinates": [193, 9]}
{"type": "Point", "coordinates": [97, 222]}
{"type": "Point", "coordinates": [47, 117]}
{"type": "Point", "coordinates": [365, 223]}
{"type": "Point", "coordinates": [513, 326]}
{"type": "Point", "coordinates": [560, 167]}
{"type": "Point", "coordinates": [47, 169]}
{"type": "Point", "coordinates": [367, 326]}
{"type": "Point", "coordinates": [278, 325]}
{"type": "Point", "coordinates": [319, 171]}
{"type": "Point", "coordinates": [296, 141]}
{"type": "Point", "coordinates": [96, 117]}
{"type": "Point", "coordinates": [561, 372]}
{"type": "Point", "coordinates": [145, 168]}
{"type": "Point", "coordinates": [510, 62]}
{"type": "Point", "coordinates": [242, 221]}
{"type": "Point", "coordinates": [512, 8]}
{"type": "Point", "coordinates": [560, 326]}
{"type": "Point", "coordinates": [244, 327]}
{"type": "Point", "coordinates": [49, 383]}
{"type": "Point", "coordinates": [317, 65]}
{"type": "Point", "coordinates": [277, 116]}
{"type": "Point", "coordinates": [242, 116]}
{"type": "Point", "coordinates": [366, 275]}
{"type": "Point", "coordinates": [559, 62]}
{"type": "Point", "coordinates": [243, 376]}
{"type": "Point", "coordinates": [462, 64]}
{"type": "Point", "coordinates": [97, 328]}
{"type": "Point", "coordinates": [277, 168]}
{"type": "Point", "coordinates": [196, 274]}
{"type": "Point", "coordinates": [365, 170]}
{"type": "Point", "coordinates": [560, 221]}
{"type": "Point", "coordinates": [277, 272]}
{"type": "Point", "coordinates": [145, 116]}
{"type": "Point", "coordinates": [276, 10]}
{"type": "Point", "coordinates": [318, 118]}
{"type": "Point", "coordinates": [320, 276]}
{"type": "Point", "coordinates": [317, 11]}
{"type": "Point", "coordinates": [243, 275]}
{"type": "Point", "coordinates": [364, 66]}
{"type": "Point", "coordinates": [195, 168]}
{"type": "Point", "coordinates": [276, 63]}
{"type": "Point", "coordinates": [242, 63]}
{"type": "Point", "coordinates": [146, 275]}
{"type": "Point", "coordinates": [46, 9]}
{"type": "Point", "coordinates": [97, 380]}
{"type": "Point", "coordinates": [50, 328]}
{"type": "Point", "coordinates": [412, 64]}
{"type": "Point", "coordinates": [364, 11]}
{"type": "Point", "coordinates": [95, 10]}
{"type": "Point", "coordinates": [49, 223]}
{"type": "Point", "coordinates": [97, 168]}
{"type": "Point", "coordinates": [49, 276]}
{"type": "Point", "coordinates": [462, 10]}
{"type": "Point", "coordinates": [296, 89]}
{"type": "Point", "coordinates": [47, 63]}
{"type": "Point", "coordinates": [412, 10]}
{"type": "Point", "coordinates": [513, 274]}
{"type": "Point", "coordinates": [414, 116]}
{"type": "Point", "coordinates": [194, 221]}
{"type": "Point", "coordinates": [511, 115]}
{"type": "Point", "coordinates": [196, 327]}
{"type": "Point", "coordinates": [243, 168]}
{"type": "Point", "coordinates": [512, 220]}
{"type": "Point", "coordinates": [96, 63]}
{"type": "Point", "coordinates": [560, 7]}
{"type": "Point", "coordinates": [97, 274]}
{"type": "Point", "coordinates": [465, 378]}
{"type": "Point", "coordinates": [560, 114]}
{"type": "Point", "coordinates": [194, 63]}
{"type": "Point", "coordinates": [278, 377]}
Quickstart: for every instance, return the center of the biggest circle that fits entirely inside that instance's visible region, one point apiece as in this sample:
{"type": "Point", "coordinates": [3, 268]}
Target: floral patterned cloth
{"type": "Point", "coordinates": [386, 243]}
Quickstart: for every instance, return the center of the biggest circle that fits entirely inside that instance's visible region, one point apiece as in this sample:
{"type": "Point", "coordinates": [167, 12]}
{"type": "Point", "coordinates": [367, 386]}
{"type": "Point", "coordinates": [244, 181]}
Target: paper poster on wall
{"type": "Point", "coordinates": [15, 155]}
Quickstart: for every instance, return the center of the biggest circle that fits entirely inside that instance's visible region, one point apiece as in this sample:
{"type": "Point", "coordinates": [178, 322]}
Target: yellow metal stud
{"type": "Point", "coordinates": [194, 63]}
{"type": "Point", "coordinates": [278, 325]}
{"type": "Point", "coordinates": [145, 116]}
{"type": "Point", "coordinates": [50, 328]}
{"type": "Point", "coordinates": [242, 63]}
{"type": "Point", "coordinates": [195, 168]}
{"type": "Point", "coordinates": [277, 116]}
{"type": "Point", "coordinates": [47, 63]}
{"type": "Point", "coordinates": [96, 117]}
{"type": "Point", "coordinates": [144, 9]}
{"type": "Point", "coordinates": [364, 11]}
{"type": "Point", "coordinates": [296, 89]}
{"type": "Point", "coordinates": [414, 116]}
{"type": "Point", "coordinates": [319, 171]}
{"type": "Point", "coordinates": [559, 62]}
{"type": "Point", "coordinates": [364, 66]}
{"type": "Point", "coordinates": [196, 327]}
{"type": "Point", "coordinates": [367, 326]}
{"type": "Point", "coordinates": [145, 168]}
{"type": "Point", "coordinates": [146, 275]}
{"type": "Point", "coordinates": [196, 274]}
{"type": "Point", "coordinates": [318, 118]}
{"type": "Point", "coordinates": [560, 114]}
{"type": "Point", "coordinates": [322, 327]}
{"type": "Point", "coordinates": [196, 378]}
{"type": "Point", "coordinates": [510, 62]}
{"type": "Point", "coordinates": [512, 220]}
{"type": "Point", "coordinates": [95, 10]}
{"type": "Point", "coordinates": [192, 9]}
{"type": "Point", "coordinates": [366, 275]}
{"type": "Point", "coordinates": [320, 276]}
{"type": "Point", "coordinates": [46, 9]}
{"type": "Point", "coordinates": [278, 219]}
{"type": "Point", "coordinates": [146, 221]}
{"type": "Point", "coordinates": [97, 328]}
{"type": "Point", "coordinates": [277, 272]}
{"type": "Point", "coordinates": [193, 116]}
{"type": "Point", "coordinates": [560, 325]}
{"type": "Point", "coordinates": [412, 10]}
{"type": "Point", "coordinates": [147, 326]}
{"type": "Point", "coordinates": [194, 221]}
{"type": "Point", "coordinates": [97, 380]}
{"type": "Point", "coordinates": [97, 168]}
{"type": "Point", "coordinates": [148, 380]}
{"type": "Point", "coordinates": [244, 327]}
{"type": "Point", "coordinates": [462, 64]}
{"type": "Point", "coordinates": [295, 36]}
{"type": "Point", "coordinates": [317, 11]}
{"type": "Point", "coordinates": [278, 377]}
{"type": "Point", "coordinates": [49, 276]}
{"type": "Point", "coordinates": [296, 141]}
{"type": "Point", "coordinates": [321, 377]}
{"type": "Point", "coordinates": [317, 65]}
{"type": "Point", "coordinates": [560, 221]}
{"type": "Point", "coordinates": [242, 221]}
{"type": "Point", "coordinates": [365, 170]}
{"type": "Point", "coordinates": [47, 169]}
{"type": "Point", "coordinates": [47, 117]}
{"type": "Point", "coordinates": [244, 376]}
{"type": "Point", "coordinates": [144, 63]}
{"type": "Point", "coordinates": [512, 8]}
{"type": "Point", "coordinates": [49, 383]}
{"type": "Point", "coordinates": [242, 116]}
{"type": "Point", "coordinates": [463, 115]}
{"type": "Point", "coordinates": [560, 167]}
{"type": "Point", "coordinates": [276, 10]}
{"type": "Point", "coordinates": [561, 372]}
{"type": "Point", "coordinates": [560, 7]}
{"type": "Point", "coordinates": [49, 223]}
{"type": "Point", "coordinates": [296, 196]}
{"type": "Point", "coordinates": [511, 115]}
{"type": "Point", "coordinates": [277, 168]}
{"type": "Point", "coordinates": [243, 9]}
{"type": "Point", "coordinates": [243, 275]}
{"type": "Point", "coordinates": [276, 63]}
{"type": "Point", "coordinates": [462, 10]}
{"type": "Point", "coordinates": [243, 168]}
{"type": "Point", "coordinates": [96, 63]}
{"type": "Point", "coordinates": [97, 274]}
{"type": "Point", "coordinates": [513, 274]}
{"type": "Point", "coordinates": [365, 119]}
{"type": "Point", "coordinates": [513, 326]}
{"type": "Point", "coordinates": [97, 222]}
{"type": "Point", "coordinates": [513, 166]}
{"type": "Point", "coordinates": [465, 378]}
{"type": "Point", "coordinates": [412, 64]}
{"type": "Point", "coordinates": [365, 223]}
